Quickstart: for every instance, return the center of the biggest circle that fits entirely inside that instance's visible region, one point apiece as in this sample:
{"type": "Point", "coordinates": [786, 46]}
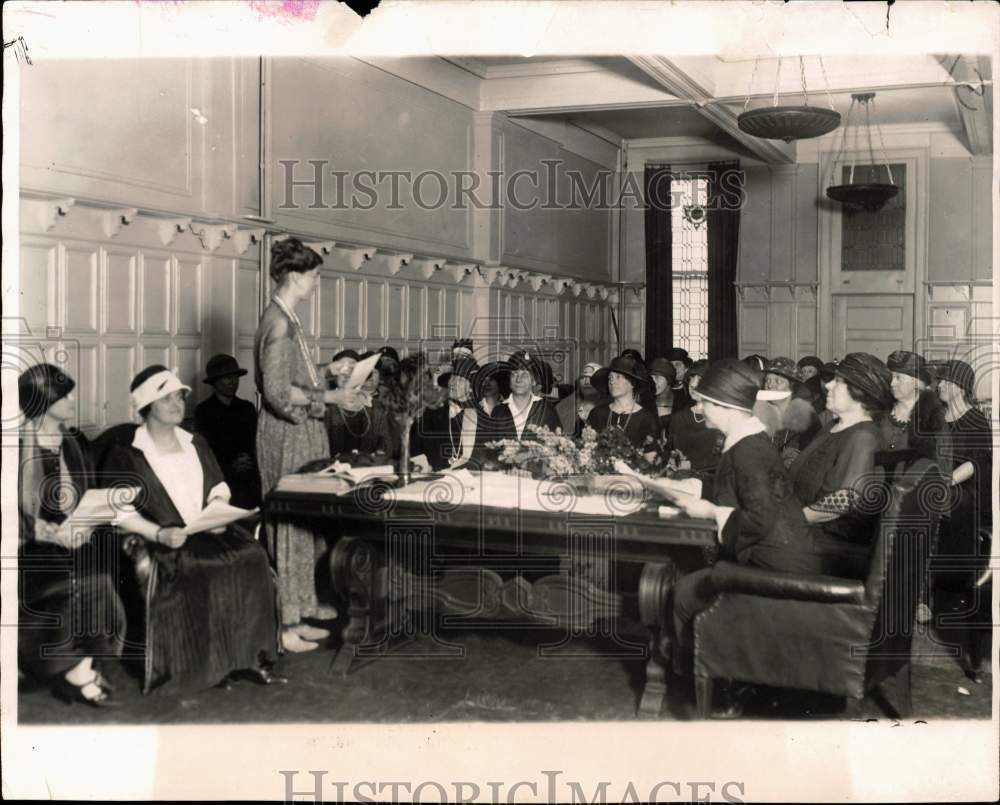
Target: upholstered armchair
{"type": "Point", "coordinates": [838, 636]}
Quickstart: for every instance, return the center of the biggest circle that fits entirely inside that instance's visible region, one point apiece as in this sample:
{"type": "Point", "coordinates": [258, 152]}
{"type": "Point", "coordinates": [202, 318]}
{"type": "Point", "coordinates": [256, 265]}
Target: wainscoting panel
{"type": "Point", "coordinates": [80, 290]}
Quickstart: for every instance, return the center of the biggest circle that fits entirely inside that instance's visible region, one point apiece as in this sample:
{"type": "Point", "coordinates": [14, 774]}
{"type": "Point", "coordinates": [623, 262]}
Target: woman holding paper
{"type": "Point", "coordinates": [759, 519]}
{"type": "Point", "coordinates": [211, 598]}
{"type": "Point", "coordinates": [60, 581]}
{"type": "Point", "coordinates": [291, 431]}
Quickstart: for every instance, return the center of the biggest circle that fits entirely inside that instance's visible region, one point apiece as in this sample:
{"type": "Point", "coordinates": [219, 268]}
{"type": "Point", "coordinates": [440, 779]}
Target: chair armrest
{"type": "Point", "coordinates": [730, 577]}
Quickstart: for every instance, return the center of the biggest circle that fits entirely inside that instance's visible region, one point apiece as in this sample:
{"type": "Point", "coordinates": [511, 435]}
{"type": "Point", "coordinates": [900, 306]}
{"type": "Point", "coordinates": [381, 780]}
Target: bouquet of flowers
{"type": "Point", "coordinates": [549, 454]}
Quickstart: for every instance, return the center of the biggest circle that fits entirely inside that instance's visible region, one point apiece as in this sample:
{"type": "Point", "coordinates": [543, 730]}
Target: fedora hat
{"type": "Point", "coordinates": [220, 366]}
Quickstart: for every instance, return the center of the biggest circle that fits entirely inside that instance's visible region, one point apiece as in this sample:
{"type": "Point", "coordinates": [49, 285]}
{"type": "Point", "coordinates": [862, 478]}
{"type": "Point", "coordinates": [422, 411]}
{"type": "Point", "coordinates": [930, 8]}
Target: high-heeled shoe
{"type": "Point", "coordinates": [67, 692]}
{"type": "Point", "coordinates": [262, 675]}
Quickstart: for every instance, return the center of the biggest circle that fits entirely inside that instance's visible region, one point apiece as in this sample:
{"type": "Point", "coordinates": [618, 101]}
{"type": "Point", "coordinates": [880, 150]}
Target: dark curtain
{"type": "Point", "coordinates": [725, 198]}
{"type": "Point", "coordinates": [659, 269]}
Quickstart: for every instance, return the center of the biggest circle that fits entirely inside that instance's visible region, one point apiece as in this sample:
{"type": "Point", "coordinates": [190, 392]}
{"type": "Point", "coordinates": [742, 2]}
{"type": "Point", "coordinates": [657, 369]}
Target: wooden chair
{"type": "Point", "coordinates": [821, 633]}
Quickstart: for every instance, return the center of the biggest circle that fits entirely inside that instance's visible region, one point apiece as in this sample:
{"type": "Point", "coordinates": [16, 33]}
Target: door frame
{"type": "Point", "coordinates": [917, 164]}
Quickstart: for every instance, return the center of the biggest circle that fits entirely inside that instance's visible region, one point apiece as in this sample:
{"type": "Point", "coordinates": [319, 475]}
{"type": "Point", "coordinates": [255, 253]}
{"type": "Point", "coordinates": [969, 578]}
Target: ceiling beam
{"type": "Point", "coordinates": [974, 110]}
{"type": "Point", "coordinates": [679, 83]}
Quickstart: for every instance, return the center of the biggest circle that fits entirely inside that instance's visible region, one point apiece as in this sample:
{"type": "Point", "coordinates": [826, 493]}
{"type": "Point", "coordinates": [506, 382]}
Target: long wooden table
{"type": "Point", "coordinates": [478, 563]}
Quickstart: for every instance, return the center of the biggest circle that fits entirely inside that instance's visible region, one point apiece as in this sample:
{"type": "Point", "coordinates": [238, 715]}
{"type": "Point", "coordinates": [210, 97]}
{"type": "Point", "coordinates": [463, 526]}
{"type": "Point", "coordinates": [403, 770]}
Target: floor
{"type": "Point", "coordinates": [487, 675]}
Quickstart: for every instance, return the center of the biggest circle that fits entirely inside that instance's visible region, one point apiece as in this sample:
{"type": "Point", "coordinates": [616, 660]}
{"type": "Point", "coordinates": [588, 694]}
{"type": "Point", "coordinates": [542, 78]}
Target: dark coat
{"type": "Point", "coordinates": [231, 431]}
{"type": "Point", "coordinates": [542, 414]}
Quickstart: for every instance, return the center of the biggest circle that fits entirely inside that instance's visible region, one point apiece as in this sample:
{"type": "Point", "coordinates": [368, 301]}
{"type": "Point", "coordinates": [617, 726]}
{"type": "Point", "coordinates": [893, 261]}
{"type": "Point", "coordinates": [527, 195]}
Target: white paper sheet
{"type": "Point", "coordinates": [103, 505]}
{"type": "Point", "coordinates": [361, 371]}
{"type": "Point", "coordinates": [216, 515]}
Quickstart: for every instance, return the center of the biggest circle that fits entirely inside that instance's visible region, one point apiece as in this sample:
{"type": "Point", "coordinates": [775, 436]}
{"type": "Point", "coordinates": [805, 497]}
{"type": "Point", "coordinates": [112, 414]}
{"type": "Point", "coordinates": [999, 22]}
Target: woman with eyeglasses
{"type": "Point", "coordinates": [212, 607]}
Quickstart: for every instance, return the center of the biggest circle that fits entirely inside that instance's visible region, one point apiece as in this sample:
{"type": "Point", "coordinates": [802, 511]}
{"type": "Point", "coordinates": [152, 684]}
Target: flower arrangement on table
{"type": "Point", "coordinates": [405, 395]}
{"type": "Point", "coordinates": [555, 455]}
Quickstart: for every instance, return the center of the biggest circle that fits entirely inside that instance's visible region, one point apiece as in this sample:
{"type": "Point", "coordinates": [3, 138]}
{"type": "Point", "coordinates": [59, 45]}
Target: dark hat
{"type": "Point", "coordinates": [587, 392]}
{"type": "Point", "coordinates": [731, 383]}
{"type": "Point", "coordinates": [346, 353]}
{"type": "Point", "coordinates": [632, 353]}
{"type": "Point", "coordinates": [531, 363]}
{"type": "Point", "coordinates": [959, 373]}
{"type": "Point", "coordinates": [697, 369]}
{"type": "Point", "coordinates": [623, 365]}
{"type": "Point", "coordinates": [868, 375]}
{"type": "Point", "coordinates": [813, 361]}
{"type": "Point", "coordinates": [909, 363]}
{"type": "Point", "coordinates": [220, 366]}
{"type": "Point", "coordinates": [828, 371]}
{"type": "Point", "coordinates": [495, 370]}
{"type": "Point", "coordinates": [462, 366]}
{"type": "Point", "coordinates": [783, 367]}
{"type": "Point", "coordinates": [41, 386]}
{"type": "Point", "coordinates": [677, 354]}
{"type": "Point", "coordinates": [388, 351]}
{"type": "Point", "coordinates": [463, 344]}
{"type": "Point", "coordinates": [664, 368]}
{"type": "Point", "coordinates": [756, 361]}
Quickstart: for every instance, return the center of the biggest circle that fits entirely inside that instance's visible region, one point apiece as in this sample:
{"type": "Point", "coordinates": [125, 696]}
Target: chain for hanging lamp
{"type": "Point", "coordinates": [858, 196]}
{"type": "Point", "coordinates": [788, 122]}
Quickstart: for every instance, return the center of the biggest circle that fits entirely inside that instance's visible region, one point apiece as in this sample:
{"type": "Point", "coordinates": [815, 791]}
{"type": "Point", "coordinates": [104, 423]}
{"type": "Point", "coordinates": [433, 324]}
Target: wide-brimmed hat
{"type": "Point", "coordinates": [624, 366]}
{"type": "Point", "coordinates": [677, 354]}
{"type": "Point", "coordinates": [909, 363]}
{"type": "Point", "coordinates": [220, 366]}
{"type": "Point", "coordinates": [959, 373]}
{"type": "Point", "coordinates": [462, 366]}
{"type": "Point", "coordinates": [867, 374]}
{"type": "Point", "coordinates": [731, 383]}
{"type": "Point", "coordinates": [388, 351]}
{"type": "Point", "coordinates": [783, 367]}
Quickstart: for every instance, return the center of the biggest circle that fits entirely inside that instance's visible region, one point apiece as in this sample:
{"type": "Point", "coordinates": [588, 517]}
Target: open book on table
{"type": "Point", "coordinates": [357, 475]}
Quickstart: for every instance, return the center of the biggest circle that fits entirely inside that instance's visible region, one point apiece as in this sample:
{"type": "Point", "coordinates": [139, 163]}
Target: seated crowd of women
{"type": "Point", "coordinates": [782, 455]}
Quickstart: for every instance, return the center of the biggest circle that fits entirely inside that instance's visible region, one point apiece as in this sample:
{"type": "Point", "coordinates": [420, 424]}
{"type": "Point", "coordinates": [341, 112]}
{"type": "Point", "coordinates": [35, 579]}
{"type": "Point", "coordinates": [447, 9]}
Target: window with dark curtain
{"type": "Point", "coordinates": [725, 198]}
{"type": "Point", "coordinates": [659, 269]}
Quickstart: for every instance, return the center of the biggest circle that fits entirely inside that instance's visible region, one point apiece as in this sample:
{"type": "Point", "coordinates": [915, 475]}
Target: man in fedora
{"type": "Point", "coordinates": [229, 424]}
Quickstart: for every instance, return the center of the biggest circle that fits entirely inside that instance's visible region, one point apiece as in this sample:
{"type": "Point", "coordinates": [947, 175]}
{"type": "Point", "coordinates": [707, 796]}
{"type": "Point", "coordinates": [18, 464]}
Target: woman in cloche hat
{"type": "Point", "coordinates": [759, 520]}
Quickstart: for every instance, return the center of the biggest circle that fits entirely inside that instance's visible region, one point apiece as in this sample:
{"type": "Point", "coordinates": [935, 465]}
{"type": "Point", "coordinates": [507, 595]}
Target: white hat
{"type": "Point", "coordinates": [156, 387]}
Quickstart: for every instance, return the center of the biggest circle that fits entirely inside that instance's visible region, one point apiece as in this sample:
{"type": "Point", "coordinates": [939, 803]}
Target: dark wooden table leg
{"type": "Point", "coordinates": [354, 566]}
{"type": "Point", "coordinates": [654, 587]}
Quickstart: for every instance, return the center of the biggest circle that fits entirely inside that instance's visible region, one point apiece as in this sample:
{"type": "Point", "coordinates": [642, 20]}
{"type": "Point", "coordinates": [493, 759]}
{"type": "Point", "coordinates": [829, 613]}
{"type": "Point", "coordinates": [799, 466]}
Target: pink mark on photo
{"type": "Point", "coordinates": [287, 9]}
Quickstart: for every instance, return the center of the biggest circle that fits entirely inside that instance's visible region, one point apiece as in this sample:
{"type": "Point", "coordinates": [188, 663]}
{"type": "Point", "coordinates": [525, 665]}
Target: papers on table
{"type": "Point", "coordinates": [216, 514]}
{"type": "Point", "coordinates": [103, 505]}
{"type": "Point", "coordinates": [358, 474]}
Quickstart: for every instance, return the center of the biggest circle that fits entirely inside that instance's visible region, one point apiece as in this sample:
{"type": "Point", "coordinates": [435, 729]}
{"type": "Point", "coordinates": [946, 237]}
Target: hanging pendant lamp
{"type": "Point", "coordinates": [862, 196]}
{"type": "Point", "coordinates": [788, 122]}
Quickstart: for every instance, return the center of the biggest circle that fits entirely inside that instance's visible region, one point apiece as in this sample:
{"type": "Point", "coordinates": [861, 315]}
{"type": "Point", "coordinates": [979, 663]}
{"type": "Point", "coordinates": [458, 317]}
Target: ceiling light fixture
{"type": "Point", "coordinates": [870, 196]}
{"type": "Point", "coordinates": [788, 122]}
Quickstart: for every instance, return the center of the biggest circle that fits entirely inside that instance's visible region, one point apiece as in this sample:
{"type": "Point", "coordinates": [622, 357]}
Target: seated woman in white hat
{"type": "Point", "coordinates": [212, 603]}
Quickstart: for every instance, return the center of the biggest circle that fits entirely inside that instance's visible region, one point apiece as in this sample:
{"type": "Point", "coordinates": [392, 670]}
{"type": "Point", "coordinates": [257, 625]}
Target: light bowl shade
{"type": "Point", "coordinates": [788, 122]}
{"type": "Point", "coordinates": [867, 197]}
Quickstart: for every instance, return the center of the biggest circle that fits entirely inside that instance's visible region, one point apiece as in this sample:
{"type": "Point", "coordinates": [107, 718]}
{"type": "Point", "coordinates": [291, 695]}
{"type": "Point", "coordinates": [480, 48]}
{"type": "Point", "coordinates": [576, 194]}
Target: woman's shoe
{"type": "Point", "coordinates": [291, 641]}
{"type": "Point", "coordinates": [263, 676]}
{"type": "Point", "coordinates": [92, 692]}
{"type": "Point", "coordinates": [307, 632]}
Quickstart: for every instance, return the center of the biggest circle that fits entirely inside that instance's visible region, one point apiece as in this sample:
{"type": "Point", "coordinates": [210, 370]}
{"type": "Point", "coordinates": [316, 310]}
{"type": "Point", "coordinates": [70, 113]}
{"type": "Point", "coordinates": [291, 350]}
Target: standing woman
{"type": "Point", "coordinates": [211, 604]}
{"type": "Point", "coordinates": [291, 431]}
{"type": "Point", "coordinates": [54, 471]}
{"type": "Point", "coordinates": [915, 427]}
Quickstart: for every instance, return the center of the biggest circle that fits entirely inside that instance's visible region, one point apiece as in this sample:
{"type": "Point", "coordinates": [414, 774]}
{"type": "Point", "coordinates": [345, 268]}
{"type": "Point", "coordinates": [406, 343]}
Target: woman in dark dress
{"type": "Point", "coordinates": [835, 477]}
{"type": "Point", "coordinates": [211, 599]}
{"type": "Point", "coordinates": [760, 522]}
{"type": "Point", "coordinates": [364, 431]}
{"type": "Point", "coordinates": [966, 530]}
{"type": "Point", "coordinates": [664, 376]}
{"type": "Point", "coordinates": [915, 427]}
{"type": "Point", "coordinates": [70, 612]}
{"type": "Point", "coordinates": [625, 381]}
{"type": "Point", "coordinates": [688, 433]}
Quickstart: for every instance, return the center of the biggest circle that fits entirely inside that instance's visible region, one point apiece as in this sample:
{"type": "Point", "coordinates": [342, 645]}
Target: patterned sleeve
{"type": "Point", "coordinates": [276, 360]}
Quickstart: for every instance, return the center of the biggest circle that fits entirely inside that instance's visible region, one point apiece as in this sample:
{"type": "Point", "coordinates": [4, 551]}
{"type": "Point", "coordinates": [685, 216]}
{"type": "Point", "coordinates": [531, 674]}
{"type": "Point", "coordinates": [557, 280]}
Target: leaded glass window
{"type": "Point", "coordinates": [875, 241]}
{"type": "Point", "coordinates": [689, 262]}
